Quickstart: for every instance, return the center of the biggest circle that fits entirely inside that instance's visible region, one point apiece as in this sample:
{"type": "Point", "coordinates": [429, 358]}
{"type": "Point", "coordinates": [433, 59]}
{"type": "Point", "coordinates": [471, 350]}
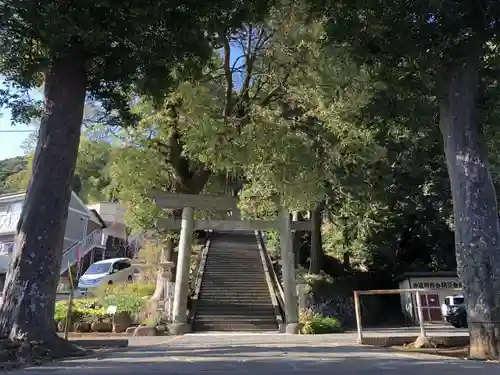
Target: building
{"type": "Point", "coordinates": [440, 285]}
{"type": "Point", "coordinates": [117, 240]}
{"type": "Point", "coordinates": [83, 231]}
{"type": "Point", "coordinates": [88, 236]}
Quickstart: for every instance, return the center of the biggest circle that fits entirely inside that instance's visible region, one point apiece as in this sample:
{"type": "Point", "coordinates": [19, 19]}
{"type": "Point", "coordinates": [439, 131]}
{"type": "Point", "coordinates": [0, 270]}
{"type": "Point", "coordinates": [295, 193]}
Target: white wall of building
{"type": "Point", "coordinates": [113, 214]}
{"type": "Point", "coordinates": [440, 286]}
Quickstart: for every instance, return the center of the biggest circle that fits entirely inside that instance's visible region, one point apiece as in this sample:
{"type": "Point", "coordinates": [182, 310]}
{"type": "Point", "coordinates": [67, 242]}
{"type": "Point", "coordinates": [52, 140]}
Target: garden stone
{"type": "Point", "coordinates": [424, 342]}
{"type": "Point", "coordinates": [101, 327]}
{"type": "Point", "coordinates": [145, 331]}
{"type": "Point", "coordinates": [121, 321]}
{"type": "Point", "coordinates": [160, 329]}
{"type": "Point", "coordinates": [82, 327]}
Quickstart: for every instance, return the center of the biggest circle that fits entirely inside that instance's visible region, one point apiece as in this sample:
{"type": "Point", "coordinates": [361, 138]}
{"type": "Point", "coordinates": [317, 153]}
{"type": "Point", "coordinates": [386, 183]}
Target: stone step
{"type": "Point", "coordinates": [267, 319]}
{"type": "Point", "coordinates": [234, 301]}
{"type": "Point", "coordinates": [231, 308]}
{"type": "Point", "coordinates": [234, 293]}
{"type": "Point", "coordinates": [233, 327]}
{"type": "Point", "coordinates": [226, 295]}
{"type": "Point", "coordinates": [235, 285]}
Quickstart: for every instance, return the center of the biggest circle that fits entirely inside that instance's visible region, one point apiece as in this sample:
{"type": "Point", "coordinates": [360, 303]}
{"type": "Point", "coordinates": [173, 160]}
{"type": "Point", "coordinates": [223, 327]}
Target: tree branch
{"type": "Point", "coordinates": [229, 77]}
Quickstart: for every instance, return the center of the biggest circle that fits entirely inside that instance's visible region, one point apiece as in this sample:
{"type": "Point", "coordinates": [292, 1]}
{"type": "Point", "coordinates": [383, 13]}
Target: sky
{"type": "Point", "coordinates": [11, 137]}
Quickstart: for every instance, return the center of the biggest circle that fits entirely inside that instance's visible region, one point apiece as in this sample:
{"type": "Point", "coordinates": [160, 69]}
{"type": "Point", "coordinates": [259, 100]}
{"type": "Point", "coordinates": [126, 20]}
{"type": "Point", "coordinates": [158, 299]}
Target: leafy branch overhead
{"type": "Point", "coordinates": [123, 45]}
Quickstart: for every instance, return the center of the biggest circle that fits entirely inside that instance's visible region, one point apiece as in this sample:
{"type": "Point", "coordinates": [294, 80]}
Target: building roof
{"type": "Point", "coordinates": [91, 214]}
{"type": "Point", "coordinates": [12, 197]}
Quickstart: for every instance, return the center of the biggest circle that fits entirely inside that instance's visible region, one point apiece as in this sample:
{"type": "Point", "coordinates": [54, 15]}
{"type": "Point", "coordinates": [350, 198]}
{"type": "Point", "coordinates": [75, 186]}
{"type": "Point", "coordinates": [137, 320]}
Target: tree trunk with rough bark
{"type": "Point", "coordinates": [30, 289]}
{"type": "Point", "coordinates": [316, 241]}
{"type": "Point", "coordinates": [477, 228]}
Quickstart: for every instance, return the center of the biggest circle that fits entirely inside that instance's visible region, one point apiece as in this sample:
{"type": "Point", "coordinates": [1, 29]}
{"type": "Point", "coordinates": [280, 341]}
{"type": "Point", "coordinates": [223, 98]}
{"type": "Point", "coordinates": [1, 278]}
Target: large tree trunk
{"type": "Point", "coordinates": [477, 229]}
{"type": "Point", "coordinates": [30, 290]}
{"type": "Point", "coordinates": [316, 241]}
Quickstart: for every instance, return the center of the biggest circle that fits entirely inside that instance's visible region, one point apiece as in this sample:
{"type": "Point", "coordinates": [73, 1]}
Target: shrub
{"type": "Point", "coordinates": [131, 304]}
{"type": "Point", "coordinates": [124, 289]}
{"type": "Point", "coordinates": [82, 309]}
{"type": "Point", "coordinates": [126, 297]}
{"type": "Point", "coordinates": [314, 323]}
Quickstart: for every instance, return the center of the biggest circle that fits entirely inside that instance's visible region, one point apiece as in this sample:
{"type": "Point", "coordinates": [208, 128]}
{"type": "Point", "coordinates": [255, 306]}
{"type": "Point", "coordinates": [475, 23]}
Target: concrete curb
{"type": "Point", "coordinates": [100, 343]}
{"type": "Point", "coordinates": [447, 341]}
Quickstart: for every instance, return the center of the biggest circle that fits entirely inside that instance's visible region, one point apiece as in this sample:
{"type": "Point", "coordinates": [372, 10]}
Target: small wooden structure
{"type": "Point", "coordinates": [413, 292]}
{"type": "Point", "coordinates": [187, 225]}
{"type": "Point", "coordinates": [437, 286]}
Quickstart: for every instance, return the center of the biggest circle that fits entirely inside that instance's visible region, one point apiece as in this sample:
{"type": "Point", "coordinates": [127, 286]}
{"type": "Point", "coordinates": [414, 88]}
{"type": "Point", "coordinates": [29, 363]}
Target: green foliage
{"type": "Point", "coordinates": [314, 323]}
{"type": "Point", "coordinates": [120, 44]}
{"type": "Point", "coordinates": [132, 304]}
{"type": "Point", "coordinates": [125, 289]}
{"type": "Point", "coordinates": [82, 308]}
{"type": "Point", "coordinates": [92, 176]}
{"type": "Point", "coordinates": [92, 170]}
{"type": "Point", "coordinates": [126, 297]}
{"type": "Point", "coordinates": [9, 168]}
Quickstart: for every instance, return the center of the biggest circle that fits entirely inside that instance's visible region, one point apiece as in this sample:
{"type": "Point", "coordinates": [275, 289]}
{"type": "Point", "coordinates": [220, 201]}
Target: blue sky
{"type": "Point", "coordinates": [12, 137]}
{"type": "Point", "coordinates": [11, 141]}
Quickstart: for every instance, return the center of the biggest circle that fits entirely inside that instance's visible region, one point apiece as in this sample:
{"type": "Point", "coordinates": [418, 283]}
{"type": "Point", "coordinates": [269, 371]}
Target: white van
{"type": "Point", "coordinates": [108, 271]}
{"type": "Point", "coordinates": [450, 305]}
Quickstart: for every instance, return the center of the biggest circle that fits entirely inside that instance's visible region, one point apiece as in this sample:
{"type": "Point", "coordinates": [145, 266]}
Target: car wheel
{"type": "Point", "coordinates": [129, 279]}
{"type": "Point", "coordinates": [110, 282]}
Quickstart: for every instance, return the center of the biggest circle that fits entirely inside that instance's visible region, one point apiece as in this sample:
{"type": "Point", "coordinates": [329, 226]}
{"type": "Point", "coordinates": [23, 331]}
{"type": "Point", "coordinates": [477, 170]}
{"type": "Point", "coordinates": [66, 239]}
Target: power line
{"type": "Point", "coordinates": [18, 131]}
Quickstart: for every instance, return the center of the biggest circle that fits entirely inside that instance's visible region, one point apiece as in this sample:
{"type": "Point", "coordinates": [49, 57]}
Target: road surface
{"type": "Point", "coordinates": [264, 354]}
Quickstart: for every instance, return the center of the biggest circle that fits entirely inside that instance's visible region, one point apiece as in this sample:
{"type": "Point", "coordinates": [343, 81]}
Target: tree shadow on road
{"type": "Point", "coordinates": [262, 360]}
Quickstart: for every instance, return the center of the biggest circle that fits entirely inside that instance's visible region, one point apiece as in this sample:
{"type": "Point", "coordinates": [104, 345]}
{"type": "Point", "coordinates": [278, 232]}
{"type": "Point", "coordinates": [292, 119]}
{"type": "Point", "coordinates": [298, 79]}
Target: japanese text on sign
{"type": "Point", "coordinates": [438, 285]}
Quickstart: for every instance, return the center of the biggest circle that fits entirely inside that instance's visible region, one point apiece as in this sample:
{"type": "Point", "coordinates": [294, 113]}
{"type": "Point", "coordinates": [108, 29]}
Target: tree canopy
{"type": "Point", "coordinates": [379, 118]}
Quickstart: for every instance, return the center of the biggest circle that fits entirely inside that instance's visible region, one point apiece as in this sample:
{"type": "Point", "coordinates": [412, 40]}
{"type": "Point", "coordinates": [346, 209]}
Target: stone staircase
{"type": "Point", "coordinates": [234, 294]}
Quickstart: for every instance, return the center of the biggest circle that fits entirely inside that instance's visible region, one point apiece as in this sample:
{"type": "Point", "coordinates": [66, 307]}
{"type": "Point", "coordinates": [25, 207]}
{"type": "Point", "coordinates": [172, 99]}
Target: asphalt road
{"type": "Point", "coordinates": [273, 354]}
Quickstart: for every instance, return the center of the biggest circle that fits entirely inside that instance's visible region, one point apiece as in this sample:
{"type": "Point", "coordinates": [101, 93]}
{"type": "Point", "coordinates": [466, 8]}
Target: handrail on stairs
{"type": "Point", "coordinates": [199, 277]}
{"type": "Point", "coordinates": [81, 248]}
{"type": "Point", "coordinates": [280, 296]}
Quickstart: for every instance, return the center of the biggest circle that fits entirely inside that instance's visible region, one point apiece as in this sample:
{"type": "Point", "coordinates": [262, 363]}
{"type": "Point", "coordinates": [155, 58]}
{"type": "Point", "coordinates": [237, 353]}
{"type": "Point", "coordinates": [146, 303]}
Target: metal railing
{"type": "Point", "coordinates": [78, 250]}
{"type": "Point", "coordinates": [8, 221]}
{"type": "Point", "coordinates": [198, 278]}
{"type": "Point", "coordinates": [280, 296]}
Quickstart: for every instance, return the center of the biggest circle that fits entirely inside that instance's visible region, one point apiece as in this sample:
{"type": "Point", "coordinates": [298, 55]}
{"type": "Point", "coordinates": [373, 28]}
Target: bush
{"type": "Point", "coordinates": [131, 304]}
{"type": "Point", "coordinates": [83, 309]}
{"type": "Point", "coordinates": [314, 323]}
{"type": "Point", "coordinates": [125, 289]}
{"type": "Point", "coordinates": [126, 297]}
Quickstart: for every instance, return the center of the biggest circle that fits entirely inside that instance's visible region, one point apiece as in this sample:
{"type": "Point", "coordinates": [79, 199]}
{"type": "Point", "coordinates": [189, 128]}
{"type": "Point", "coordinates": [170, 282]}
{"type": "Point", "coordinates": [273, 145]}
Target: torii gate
{"type": "Point", "coordinates": [188, 203]}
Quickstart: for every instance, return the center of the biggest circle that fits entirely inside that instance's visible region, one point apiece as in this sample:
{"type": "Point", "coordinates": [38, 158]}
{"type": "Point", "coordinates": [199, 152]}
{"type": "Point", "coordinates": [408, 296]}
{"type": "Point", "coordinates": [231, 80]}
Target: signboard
{"type": "Point", "coordinates": [111, 310]}
{"type": "Point", "coordinates": [436, 284]}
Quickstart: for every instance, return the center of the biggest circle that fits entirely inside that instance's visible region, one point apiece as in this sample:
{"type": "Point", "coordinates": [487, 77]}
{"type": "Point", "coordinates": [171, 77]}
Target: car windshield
{"type": "Point", "coordinates": [458, 300]}
{"type": "Point", "coordinates": [98, 268]}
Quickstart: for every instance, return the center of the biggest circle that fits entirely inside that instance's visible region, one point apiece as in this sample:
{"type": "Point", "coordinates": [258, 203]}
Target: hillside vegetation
{"type": "Point", "coordinates": [9, 167]}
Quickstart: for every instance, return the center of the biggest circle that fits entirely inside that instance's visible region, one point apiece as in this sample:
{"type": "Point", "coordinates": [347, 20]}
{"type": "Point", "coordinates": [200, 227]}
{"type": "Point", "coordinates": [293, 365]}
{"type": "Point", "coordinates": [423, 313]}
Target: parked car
{"type": "Point", "coordinates": [454, 312]}
{"type": "Point", "coordinates": [108, 271]}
